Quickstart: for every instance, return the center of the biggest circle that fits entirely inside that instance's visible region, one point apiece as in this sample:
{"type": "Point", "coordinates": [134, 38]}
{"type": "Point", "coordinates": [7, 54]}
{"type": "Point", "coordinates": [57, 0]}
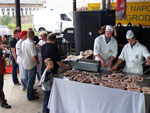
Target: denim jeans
{"type": "Point", "coordinates": [30, 80]}
{"type": "Point", "coordinates": [46, 95]}
{"type": "Point", "coordinates": [23, 84]}
{"type": "Point", "coordinates": [14, 71]}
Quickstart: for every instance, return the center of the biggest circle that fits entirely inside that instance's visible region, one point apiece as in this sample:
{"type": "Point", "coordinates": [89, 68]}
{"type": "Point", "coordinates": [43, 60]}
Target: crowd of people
{"type": "Point", "coordinates": [41, 57]}
{"type": "Point", "coordinates": [32, 57]}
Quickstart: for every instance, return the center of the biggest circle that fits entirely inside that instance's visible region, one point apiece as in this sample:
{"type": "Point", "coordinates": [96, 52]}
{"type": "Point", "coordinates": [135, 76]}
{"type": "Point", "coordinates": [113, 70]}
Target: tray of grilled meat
{"type": "Point", "coordinates": [115, 80]}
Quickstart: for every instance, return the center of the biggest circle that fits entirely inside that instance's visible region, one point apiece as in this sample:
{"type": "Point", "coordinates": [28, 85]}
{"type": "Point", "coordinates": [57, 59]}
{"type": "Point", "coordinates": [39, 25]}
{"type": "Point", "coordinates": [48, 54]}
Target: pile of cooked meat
{"type": "Point", "coordinates": [115, 80]}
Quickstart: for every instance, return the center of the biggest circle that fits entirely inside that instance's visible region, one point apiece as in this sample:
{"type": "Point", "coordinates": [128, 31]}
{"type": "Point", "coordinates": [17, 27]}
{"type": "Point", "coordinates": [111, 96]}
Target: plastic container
{"type": "Point", "coordinates": [8, 69]}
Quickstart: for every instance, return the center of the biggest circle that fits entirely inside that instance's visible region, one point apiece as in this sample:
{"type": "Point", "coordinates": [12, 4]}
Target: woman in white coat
{"type": "Point", "coordinates": [106, 48]}
{"type": "Point", "coordinates": [133, 53]}
{"type": "Point", "coordinates": [23, 36]}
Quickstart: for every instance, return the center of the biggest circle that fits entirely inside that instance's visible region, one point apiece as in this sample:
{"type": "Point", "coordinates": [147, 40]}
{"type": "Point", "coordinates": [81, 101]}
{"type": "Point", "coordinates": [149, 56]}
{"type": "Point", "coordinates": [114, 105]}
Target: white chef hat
{"type": "Point", "coordinates": [129, 34]}
{"type": "Point", "coordinates": [109, 28]}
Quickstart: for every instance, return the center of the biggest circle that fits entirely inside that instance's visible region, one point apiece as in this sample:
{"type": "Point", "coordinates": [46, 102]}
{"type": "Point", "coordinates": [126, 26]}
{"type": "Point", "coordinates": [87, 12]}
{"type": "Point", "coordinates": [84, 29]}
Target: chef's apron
{"type": "Point", "coordinates": [133, 68]}
{"type": "Point", "coordinates": [106, 68]}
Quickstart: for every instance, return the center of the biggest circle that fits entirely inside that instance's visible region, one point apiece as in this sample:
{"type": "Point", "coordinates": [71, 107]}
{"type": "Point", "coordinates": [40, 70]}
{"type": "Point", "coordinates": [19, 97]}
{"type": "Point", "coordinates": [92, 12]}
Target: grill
{"type": "Point", "coordinates": [85, 65]}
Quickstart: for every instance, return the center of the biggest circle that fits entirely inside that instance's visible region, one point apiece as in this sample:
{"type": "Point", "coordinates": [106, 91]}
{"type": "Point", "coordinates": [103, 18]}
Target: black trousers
{"type": "Point", "coordinates": [2, 96]}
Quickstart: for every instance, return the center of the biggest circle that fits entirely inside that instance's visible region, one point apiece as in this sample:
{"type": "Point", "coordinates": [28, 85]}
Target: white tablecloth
{"type": "Point", "coordinates": [73, 97]}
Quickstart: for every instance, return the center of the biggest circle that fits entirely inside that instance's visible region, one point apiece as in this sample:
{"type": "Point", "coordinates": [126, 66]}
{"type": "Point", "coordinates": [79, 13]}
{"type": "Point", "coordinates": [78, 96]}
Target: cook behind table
{"type": "Point", "coordinates": [101, 31]}
{"type": "Point", "coordinates": [133, 53]}
{"type": "Point", "coordinates": [105, 48]}
{"type": "Point", "coordinates": [2, 96]}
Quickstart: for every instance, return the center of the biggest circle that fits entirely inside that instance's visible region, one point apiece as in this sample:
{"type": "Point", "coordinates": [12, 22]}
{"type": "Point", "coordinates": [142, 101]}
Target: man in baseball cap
{"type": "Point", "coordinates": [106, 48]}
{"type": "Point", "coordinates": [133, 53]}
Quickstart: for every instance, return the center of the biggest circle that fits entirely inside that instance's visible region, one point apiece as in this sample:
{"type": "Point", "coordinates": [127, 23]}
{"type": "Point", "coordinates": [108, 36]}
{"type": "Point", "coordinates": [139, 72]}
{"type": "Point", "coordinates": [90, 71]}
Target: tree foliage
{"type": "Point", "coordinates": [6, 19]}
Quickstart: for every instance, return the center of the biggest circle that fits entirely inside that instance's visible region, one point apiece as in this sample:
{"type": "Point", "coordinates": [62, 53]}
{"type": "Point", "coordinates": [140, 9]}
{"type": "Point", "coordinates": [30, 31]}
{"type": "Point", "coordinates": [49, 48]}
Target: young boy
{"type": "Point", "coordinates": [46, 82]}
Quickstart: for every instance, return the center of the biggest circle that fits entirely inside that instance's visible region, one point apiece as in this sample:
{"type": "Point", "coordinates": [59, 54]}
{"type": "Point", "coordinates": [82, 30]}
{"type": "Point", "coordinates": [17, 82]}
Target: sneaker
{"type": "Point", "coordinates": [23, 89]}
{"type": "Point", "coordinates": [5, 105]}
{"type": "Point", "coordinates": [18, 83]}
{"type": "Point", "coordinates": [34, 90]}
{"type": "Point", "coordinates": [39, 85]}
{"type": "Point", "coordinates": [34, 98]}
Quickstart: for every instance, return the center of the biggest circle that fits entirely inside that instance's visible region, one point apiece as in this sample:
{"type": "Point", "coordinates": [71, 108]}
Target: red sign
{"type": "Point", "coordinates": [121, 9]}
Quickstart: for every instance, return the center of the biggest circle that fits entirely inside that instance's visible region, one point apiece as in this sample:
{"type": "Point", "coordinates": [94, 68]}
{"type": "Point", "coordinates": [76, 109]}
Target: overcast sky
{"type": "Point", "coordinates": [67, 4]}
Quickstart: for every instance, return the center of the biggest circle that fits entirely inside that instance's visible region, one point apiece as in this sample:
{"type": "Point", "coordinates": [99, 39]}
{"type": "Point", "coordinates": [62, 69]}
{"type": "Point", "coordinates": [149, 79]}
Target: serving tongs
{"type": "Point", "coordinates": [145, 77]}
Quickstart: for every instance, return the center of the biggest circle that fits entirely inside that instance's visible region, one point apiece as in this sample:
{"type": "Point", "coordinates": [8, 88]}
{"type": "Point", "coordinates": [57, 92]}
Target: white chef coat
{"type": "Point", "coordinates": [19, 59]}
{"type": "Point", "coordinates": [41, 42]}
{"type": "Point", "coordinates": [106, 50]}
{"type": "Point", "coordinates": [134, 57]}
{"type": "Point", "coordinates": [28, 50]}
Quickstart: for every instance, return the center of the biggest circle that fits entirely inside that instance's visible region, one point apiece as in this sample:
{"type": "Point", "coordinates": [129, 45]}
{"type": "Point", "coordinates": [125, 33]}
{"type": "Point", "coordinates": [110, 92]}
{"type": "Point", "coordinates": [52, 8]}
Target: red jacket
{"type": "Point", "coordinates": [1, 63]}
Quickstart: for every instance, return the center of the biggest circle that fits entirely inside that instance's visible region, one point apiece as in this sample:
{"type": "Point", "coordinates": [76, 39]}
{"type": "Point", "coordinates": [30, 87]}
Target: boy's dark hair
{"type": "Point", "coordinates": [16, 31]}
{"type": "Point", "coordinates": [51, 37]}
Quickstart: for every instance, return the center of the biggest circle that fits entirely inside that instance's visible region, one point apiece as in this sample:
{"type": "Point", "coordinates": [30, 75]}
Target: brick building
{"type": "Point", "coordinates": [27, 7]}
